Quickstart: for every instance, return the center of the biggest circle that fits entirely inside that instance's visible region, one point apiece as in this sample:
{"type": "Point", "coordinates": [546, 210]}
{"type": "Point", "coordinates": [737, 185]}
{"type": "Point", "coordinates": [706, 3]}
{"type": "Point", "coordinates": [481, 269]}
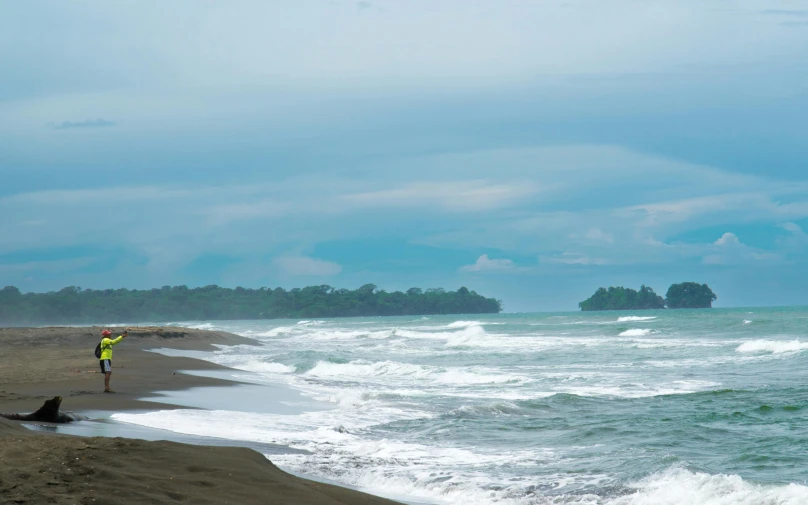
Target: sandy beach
{"type": "Point", "coordinates": [37, 467]}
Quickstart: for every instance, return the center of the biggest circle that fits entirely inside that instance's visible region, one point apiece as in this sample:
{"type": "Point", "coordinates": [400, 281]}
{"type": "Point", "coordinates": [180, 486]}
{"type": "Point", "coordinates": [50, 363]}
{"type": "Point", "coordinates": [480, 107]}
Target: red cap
{"type": "Point", "coordinates": [106, 333]}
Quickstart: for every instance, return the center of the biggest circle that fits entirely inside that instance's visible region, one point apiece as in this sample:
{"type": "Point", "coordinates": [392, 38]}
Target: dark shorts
{"type": "Point", "coordinates": [106, 365]}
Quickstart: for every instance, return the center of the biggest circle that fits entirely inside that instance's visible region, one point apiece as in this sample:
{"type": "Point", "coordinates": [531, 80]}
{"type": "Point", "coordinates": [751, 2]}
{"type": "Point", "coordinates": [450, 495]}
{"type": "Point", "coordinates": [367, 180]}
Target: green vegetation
{"type": "Point", "coordinates": [690, 295]}
{"type": "Point", "coordinates": [620, 298]}
{"type": "Point", "coordinates": [687, 295]}
{"type": "Point", "coordinates": [178, 303]}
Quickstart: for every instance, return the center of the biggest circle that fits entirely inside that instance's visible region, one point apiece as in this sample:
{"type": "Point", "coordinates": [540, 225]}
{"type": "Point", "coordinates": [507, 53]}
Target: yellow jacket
{"type": "Point", "coordinates": [106, 346]}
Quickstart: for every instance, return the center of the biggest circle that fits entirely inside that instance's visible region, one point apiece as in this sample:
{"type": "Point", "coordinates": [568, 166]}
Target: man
{"type": "Point", "coordinates": [106, 355]}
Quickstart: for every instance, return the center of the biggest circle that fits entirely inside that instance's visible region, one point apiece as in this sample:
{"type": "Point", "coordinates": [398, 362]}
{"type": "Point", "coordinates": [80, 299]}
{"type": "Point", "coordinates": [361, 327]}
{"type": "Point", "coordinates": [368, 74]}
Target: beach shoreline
{"type": "Point", "coordinates": [40, 363]}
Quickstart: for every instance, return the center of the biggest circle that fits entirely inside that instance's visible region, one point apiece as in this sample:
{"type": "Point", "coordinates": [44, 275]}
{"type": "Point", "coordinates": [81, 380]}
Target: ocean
{"type": "Point", "coordinates": [705, 407]}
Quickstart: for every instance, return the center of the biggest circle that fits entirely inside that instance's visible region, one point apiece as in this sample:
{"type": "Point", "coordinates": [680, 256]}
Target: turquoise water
{"type": "Point", "coordinates": [657, 407]}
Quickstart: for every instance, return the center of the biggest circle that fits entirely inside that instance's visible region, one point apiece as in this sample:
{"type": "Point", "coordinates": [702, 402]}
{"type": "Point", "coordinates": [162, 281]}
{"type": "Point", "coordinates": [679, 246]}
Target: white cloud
{"type": "Point", "coordinates": [517, 209]}
{"type": "Point", "coordinates": [454, 195]}
{"type": "Point", "coordinates": [101, 196]}
{"type": "Point", "coordinates": [302, 265]}
{"type": "Point", "coordinates": [492, 42]}
{"type": "Point", "coordinates": [728, 240]}
{"type": "Point", "coordinates": [729, 250]}
{"type": "Point", "coordinates": [598, 235]}
{"type": "Point", "coordinates": [306, 197]}
{"type": "Point", "coordinates": [794, 228]}
{"type": "Point", "coordinates": [797, 241]}
{"type": "Point", "coordinates": [671, 212]}
{"type": "Point", "coordinates": [573, 258]}
{"type": "Point", "coordinates": [268, 208]}
{"type": "Point", "coordinates": [486, 264]}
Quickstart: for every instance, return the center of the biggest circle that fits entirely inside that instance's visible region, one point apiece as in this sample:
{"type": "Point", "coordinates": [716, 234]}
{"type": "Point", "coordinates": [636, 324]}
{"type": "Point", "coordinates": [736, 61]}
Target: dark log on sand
{"type": "Point", "coordinates": [49, 412]}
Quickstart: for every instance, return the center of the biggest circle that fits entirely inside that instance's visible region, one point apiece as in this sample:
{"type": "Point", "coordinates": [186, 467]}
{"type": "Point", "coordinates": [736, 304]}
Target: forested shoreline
{"type": "Point", "coordinates": [73, 305]}
{"type": "Point", "coordinates": [685, 295]}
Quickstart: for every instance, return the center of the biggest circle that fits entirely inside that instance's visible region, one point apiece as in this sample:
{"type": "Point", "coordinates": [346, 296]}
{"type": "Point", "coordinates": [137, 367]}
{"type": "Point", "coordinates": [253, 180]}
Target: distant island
{"type": "Point", "coordinates": [686, 295]}
{"type": "Point", "coordinates": [72, 305]}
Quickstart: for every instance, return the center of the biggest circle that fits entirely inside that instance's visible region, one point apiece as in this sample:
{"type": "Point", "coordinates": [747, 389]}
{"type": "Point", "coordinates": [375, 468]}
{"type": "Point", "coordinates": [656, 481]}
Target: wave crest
{"type": "Point", "coordinates": [772, 346]}
{"type": "Point", "coordinates": [677, 486]}
{"type": "Point", "coordinates": [627, 319]}
{"type": "Point", "coordinates": [463, 324]}
{"type": "Point", "coordinates": [360, 370]}
{"type": "Point", "coordinates": [638, 332]}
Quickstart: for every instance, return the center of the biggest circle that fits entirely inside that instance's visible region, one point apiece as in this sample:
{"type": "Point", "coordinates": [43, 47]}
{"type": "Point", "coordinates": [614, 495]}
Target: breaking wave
{"type": "Point", "coordinates": [455, 410]}
{"type": "Point", "coordinates": [678, 486]}
{"type": "Point", "coordinates": [363, 370]}
{"type": "Point", "coordinates": [626, 319]}
{"type": "Point", "coordinates": [463, 324]}
{"type": "Point", "coordinates": [773, 346]}
{"type": "Point", "coordinates": [635, 333]}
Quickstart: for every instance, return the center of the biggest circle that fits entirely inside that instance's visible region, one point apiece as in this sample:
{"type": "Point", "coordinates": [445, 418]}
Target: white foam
{"type": "Point", "coordinates": [405, 333]}
{"type": "Point", "coordinates": [395, 468]}
{"type": "Point", "coordinates": [201, 326]}
{"type": "Point", "coordinates": [310, 323]}
{"type": "Point", "coordinates": [705, 362]}
{"type": "Point", "coordinates": [463, 324]}
{"type": "Point", "coordinates": [746, 321]}
{"type": "Point", "coordinates": [233, 357]}
{"type": "Point", "coordinates": [272, 333]}
{"type": "Point", "coordinates": [772, 346]}
{"type": "Point", "coordinates": [360, 369]}
{"type": "Point", "coordinates": [392, 371]}
{"type": "Point", "coordinates": [682, 487]}
{"type": "Point", "coordinates": [682, 387]}
{"type": "Point", "coordinates": [470, 336]}
{"type": "Point", "coordinates": [635, 333]}
{"type": "Point", "coordinates": [446, 474]}
{"type": "Point", "coordinates": [423, 477]}
{"type": "Point", "coordinates": [264, 367]}
{"type": "Point", "coordinates": [461, 377]}
{"type": "Point", "coordinates": [311, 331]}
{"type": "Point", "coordinates": [395, 372]}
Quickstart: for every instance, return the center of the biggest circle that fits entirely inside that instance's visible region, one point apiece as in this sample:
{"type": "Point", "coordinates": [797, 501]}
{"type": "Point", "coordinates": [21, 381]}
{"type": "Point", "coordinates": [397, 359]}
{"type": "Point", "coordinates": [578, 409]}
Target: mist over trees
{"type": "Point", "coordinates": [73, 305]}
{"type": "Point", "coordinates": [686, 295]}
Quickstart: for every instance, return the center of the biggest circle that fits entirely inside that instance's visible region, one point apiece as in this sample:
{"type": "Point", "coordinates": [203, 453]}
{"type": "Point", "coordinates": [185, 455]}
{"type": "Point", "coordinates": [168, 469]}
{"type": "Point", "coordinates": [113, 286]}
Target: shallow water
{"type": "Point", "coordinates": [659, 407]}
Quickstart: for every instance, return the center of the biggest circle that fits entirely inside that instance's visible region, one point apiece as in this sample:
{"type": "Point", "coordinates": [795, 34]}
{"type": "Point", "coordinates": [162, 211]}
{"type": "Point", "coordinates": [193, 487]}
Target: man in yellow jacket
{"type": "Point", "coordinates": [106, 355]}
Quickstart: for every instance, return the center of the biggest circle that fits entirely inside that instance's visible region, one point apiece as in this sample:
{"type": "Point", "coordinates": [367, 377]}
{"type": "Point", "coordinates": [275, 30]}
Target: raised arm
{"type": "Point", "coordinates": [121, 337]}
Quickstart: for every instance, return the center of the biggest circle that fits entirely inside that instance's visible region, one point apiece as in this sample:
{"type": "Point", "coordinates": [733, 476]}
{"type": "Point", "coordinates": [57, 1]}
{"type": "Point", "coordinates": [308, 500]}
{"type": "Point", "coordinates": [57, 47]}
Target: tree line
{"type": "Point", "coordinates": [73, 305]}
{"type": "Point", "coordinates": [685, 295]}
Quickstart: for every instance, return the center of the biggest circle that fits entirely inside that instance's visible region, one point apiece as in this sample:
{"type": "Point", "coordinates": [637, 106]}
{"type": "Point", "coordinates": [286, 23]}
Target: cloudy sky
{"type": "Point", "coordinates": [530, 150]}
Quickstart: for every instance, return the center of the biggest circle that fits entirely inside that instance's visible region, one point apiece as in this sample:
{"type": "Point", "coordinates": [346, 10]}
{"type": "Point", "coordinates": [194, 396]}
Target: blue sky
{"type": "Point", "coordinates": [532, 151]}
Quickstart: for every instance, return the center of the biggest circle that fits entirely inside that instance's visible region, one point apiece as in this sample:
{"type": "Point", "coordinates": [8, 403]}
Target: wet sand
{"type": "Point", "coordinates": [38, 467]}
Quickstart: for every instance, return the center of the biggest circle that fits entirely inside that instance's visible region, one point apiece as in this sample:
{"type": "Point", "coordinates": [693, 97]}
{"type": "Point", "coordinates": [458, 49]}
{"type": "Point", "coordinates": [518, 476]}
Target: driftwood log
{"type": "Point", "coordinates": [169, 332]}
{"type": "Point", "coordinates": [145, 329]}
{"type": "Point", "coordinates": [49, 412]}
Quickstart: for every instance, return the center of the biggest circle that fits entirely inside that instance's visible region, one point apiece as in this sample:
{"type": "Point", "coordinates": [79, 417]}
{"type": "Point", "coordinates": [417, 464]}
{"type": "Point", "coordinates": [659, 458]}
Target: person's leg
{"type": "Point", "coordinates": [106, 367]}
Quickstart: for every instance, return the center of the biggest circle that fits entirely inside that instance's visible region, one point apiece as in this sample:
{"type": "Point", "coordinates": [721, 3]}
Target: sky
{"type": "Point", "coordinates": [529, 150]}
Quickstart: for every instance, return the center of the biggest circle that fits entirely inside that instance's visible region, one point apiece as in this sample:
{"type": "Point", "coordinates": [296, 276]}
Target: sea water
{"type": "Point", "coordinates": [704, 407]}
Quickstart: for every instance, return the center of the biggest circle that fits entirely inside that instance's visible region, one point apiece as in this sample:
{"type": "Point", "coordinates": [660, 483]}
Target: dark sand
{"type": "Point", "coordinates": [37, 467]}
